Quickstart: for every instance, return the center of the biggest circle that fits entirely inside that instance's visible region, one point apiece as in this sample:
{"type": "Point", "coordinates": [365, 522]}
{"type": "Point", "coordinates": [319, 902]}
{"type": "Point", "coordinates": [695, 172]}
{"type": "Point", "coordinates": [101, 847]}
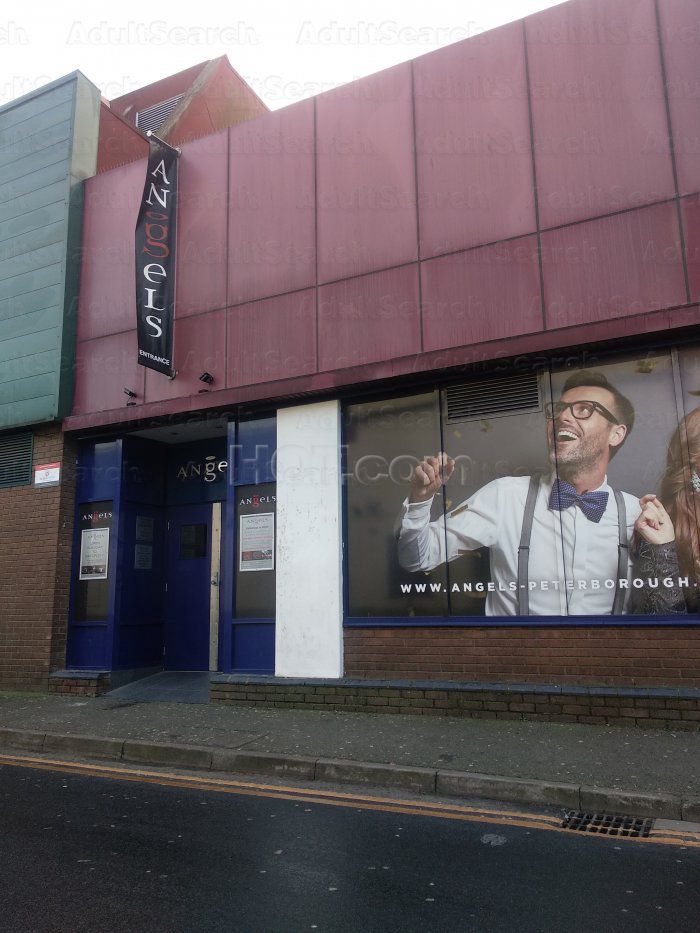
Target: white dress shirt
{"type": "Point", "coordinates": [571, 557]}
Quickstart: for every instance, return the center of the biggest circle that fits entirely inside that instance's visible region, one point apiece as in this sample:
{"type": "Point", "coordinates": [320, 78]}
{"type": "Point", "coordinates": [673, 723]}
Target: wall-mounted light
{"type": "Point", "coordinates": [207, 379]}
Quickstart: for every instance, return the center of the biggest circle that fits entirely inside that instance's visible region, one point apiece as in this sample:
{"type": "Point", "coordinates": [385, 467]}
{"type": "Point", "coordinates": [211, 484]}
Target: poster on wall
{"type": "Point", "coordinates": [94, 553]}
{"type": "Point", "coordinates": [92, 586]}
{"type": "Point", "coordinates": [255, 592]}
{"type": "Point", "coordinates": [143, 557]}
{"type": "Point", "coordinates": [144, 528]}
{"type": "Point", "coordinates": [546, 494]}
{"type": "Point", "coordinates": [257, 542]}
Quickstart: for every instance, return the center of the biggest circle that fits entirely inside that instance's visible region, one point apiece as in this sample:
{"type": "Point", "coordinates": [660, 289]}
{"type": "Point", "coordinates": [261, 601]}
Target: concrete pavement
{"type": "Point", "coordinates": [644, 772]}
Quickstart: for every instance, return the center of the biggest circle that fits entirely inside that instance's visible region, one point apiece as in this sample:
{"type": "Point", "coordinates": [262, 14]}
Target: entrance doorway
{"type": "Point", "coordinates": [192, 587]}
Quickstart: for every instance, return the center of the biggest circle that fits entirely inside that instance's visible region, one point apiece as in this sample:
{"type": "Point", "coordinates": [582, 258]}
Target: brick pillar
{"type": "Point", "coordinates": [36, 533]}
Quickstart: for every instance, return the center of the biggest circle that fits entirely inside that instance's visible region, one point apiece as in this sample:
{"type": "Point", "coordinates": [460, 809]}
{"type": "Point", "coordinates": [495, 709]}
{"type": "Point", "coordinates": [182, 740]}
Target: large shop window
{"type": "Point", "coordinates": [517, 497]}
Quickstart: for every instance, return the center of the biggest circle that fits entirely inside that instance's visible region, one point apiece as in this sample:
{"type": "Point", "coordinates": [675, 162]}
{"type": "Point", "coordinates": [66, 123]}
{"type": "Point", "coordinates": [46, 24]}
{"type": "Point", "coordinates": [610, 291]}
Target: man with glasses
{"type": "Point", "coordinates": [558, 543]}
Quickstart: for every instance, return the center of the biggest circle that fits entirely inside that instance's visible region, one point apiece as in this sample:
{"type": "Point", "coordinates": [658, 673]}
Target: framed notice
{"type": "Point", "coordinates": [254, 593]}
{"type": "Point", "coordinates": [94, 553]}
{"type": "Point", "coordinates": [144, 528]}
{"type": "Point", "coordinates": [92, 585]}
{"type": "Point", "coordinates": [257, 542]}
{"type": "Point", "coordinates": [47, 474]}
{"type": "Point", "coordinates": [143, 557]}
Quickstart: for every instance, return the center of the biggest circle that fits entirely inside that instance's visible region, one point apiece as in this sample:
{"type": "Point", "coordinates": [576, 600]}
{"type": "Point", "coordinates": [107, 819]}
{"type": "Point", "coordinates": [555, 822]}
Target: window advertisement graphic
{"type": "Point", "coordinates": [564, 493]}
{"type": "Point", "coordinates": [494, 439]}
{"type": "Point", "coordinates": [680, 485]}
{"type": "Point", "coordinates": [385, 441]}
{"type": "Point", "coordinates": [642, 403]}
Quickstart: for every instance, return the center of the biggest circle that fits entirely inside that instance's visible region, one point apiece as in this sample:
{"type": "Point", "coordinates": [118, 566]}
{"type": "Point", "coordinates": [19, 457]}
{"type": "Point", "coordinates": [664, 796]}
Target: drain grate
{"type": "Point", "coordinates": [607, 824]}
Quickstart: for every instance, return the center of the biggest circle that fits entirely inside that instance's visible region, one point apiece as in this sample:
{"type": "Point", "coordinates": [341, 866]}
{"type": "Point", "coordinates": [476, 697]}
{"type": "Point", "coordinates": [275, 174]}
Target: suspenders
{"type": "Point", "coordinates": [524, 547]}
{"type": "Point", "coordinates": [622, 552]}
{"type": "Point", "coordinates": [523, 596]}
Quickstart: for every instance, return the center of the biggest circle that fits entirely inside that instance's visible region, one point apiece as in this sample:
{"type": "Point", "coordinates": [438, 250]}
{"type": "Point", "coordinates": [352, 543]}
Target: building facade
{"type": "Point", "coordinates": [411, 264]}
{"type": "Point", "coordinates": [50, 141]}
{"type": "Point", "coordinates": [48, 146]}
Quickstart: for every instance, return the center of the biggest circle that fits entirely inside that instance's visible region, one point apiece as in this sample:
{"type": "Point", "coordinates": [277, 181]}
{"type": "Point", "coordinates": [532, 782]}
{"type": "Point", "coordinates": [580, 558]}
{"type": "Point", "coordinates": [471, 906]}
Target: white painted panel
{"type": "Point", "coordinates": [309, 629]}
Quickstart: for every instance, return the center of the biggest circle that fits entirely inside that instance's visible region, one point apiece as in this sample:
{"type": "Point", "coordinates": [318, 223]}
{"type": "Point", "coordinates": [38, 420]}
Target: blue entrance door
{"type": "Point", "coordinates": [189, 582]}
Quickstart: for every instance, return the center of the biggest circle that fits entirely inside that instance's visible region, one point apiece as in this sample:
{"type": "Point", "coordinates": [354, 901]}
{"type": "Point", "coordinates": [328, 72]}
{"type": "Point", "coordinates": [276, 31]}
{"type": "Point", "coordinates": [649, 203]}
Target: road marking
{"type": "Point", "coordinates": [460, 812]}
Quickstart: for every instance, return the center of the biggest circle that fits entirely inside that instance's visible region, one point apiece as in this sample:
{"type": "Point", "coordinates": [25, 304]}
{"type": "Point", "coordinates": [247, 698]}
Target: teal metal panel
{"type": "Point", "coordinates": [29, 412]}
{"type": "Point", "coordinates": [48, 146]}
{"type": "Point", "coordinates": [27, 389]}
{"type": "Point", "coordinates": [32, 322]}
{"type": "Point", "coordinates": [34, 135]}
{"type": "Point", "coordinates": [33, 200]}
{"type": "Point", "coordinates": [16, 285]}
{"type": "Point", "coordinates": [35, 220]}
{"type": "Point", "coordinates": [35, 104]}
{"type": "Point", "coordinates": [34, 181]}
{"type": "Point", "coordinates": [57, 154]}
{"type": "Point", "coordinates": [22, 348]}
{"type": "Point", "coordinates": [25, 367]}
{"type": "Point", "coordinates": [18, 261]}
{"type": "Point", "coordinates": [23, 243]}
{"type": "Point", "coordinates": [28, 302]}
{"type": "Point", "coordinates": [30, 144]}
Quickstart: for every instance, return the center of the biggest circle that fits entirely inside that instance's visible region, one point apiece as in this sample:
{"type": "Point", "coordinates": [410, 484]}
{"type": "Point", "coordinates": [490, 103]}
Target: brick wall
{"type": "Point", "coordinates": [36, 526]}
{"type": "Point", "coordinates": [647, 657]}
{"type": "Point", "coordinates": [84, 684]}
{"type": "Point", "coordinates": [647, 707]}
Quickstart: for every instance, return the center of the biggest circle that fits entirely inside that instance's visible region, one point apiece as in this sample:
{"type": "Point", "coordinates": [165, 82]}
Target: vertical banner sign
{"type": "Point", "coordinates": [155, 261]}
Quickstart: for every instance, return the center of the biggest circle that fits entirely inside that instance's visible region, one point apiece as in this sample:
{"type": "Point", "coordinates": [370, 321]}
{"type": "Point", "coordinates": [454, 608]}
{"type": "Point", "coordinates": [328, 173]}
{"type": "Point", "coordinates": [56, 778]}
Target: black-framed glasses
{"type": "Point", "coordinates": [581, 410]}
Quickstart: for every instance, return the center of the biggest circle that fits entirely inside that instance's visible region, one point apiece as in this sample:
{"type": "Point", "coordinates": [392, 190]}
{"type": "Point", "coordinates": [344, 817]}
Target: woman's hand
{"type": "Point", "coordinates": [654, 523]}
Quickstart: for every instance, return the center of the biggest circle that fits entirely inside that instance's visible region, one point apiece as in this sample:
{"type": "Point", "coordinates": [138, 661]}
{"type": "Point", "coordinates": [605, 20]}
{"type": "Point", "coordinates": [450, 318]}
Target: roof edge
{"type": "Point", "coordinates": [46, 88]}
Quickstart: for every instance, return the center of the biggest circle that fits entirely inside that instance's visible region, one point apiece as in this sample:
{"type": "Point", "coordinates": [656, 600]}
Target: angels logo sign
{"type": "Point", "coordinates": [155, 261]}
{"type": "Point", "coordinates": [256, 501]}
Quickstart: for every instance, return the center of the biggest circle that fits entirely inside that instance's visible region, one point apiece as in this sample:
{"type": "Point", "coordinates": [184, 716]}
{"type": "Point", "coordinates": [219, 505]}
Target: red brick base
{"type": "Point", "coordinates": [594, 706]}
{"type": "Point", "coordinates": [80, 686]}
{"type": "Point", "coordinates": [601, 656]}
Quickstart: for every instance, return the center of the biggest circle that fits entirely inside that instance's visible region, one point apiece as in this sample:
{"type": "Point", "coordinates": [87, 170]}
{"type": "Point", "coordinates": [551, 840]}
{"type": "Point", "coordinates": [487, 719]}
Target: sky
{"type": "Point", "coordinates": [285, 50]}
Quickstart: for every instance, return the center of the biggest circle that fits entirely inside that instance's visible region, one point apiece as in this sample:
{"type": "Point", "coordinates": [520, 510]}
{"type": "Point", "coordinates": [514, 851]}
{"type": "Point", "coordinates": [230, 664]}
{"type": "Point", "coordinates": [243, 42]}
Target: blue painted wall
{"type": "Point", "coordinates": [138, 630]}
{"type": "Point", "coordinates": [98, 479]}
{"type": "Point", "coordinates": [130, 473]}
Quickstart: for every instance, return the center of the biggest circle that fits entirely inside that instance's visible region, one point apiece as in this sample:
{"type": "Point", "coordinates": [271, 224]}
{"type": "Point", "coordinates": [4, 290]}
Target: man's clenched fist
{"type": "Point", "coordinates": [429, 476]}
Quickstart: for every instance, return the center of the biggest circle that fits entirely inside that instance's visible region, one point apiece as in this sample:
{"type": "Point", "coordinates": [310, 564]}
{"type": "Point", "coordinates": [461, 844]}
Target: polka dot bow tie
{"type": "Point", "coordinates": [592, 504]}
